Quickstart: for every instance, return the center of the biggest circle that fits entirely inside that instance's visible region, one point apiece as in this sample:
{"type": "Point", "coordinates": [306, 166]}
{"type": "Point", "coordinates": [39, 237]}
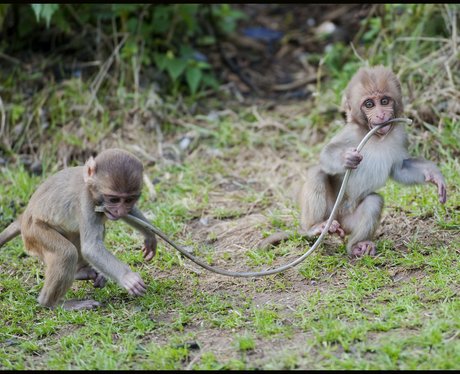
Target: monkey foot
{"type": "Point", "coordinates": [88, 273]}
{"type": "Point", "coordinates": [335, 228]}
{"type": "Point", "coordinates": [363, 248]}
{"type": "Point", "coordinates": [100, 281]}
{"type": "Point", "coordinates": [80, 304]}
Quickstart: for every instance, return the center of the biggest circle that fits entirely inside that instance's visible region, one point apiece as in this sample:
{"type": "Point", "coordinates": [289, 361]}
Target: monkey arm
{"type": "Point", "coordinates": [419, 170]}
{"type": "Point", "coordinates": [340, 153]}
{"type": "Point", "coordinates": [94, 252]}
{"type": "Point", "coordinates": [331, 159]}
{"type": "Point", "coordinates": [150, 241]}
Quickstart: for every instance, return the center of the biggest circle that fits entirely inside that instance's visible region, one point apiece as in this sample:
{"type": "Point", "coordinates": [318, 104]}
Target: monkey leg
{"type": "Point", "coordinates": [316, 199]}
{"type": "Point", "coordinates": [60, 284]}
{"type": "Point", "coordinates": [61, 259]}
{"type": "Point", "coordinates": [86, 272]}
{"type": "Point", "coordinates": [59, 275]}
{"type": "Point", "coordinates": [361, 224]}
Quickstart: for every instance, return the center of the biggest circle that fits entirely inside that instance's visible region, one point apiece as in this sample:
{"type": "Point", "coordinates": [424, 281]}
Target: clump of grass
{"type": "Point", "coordinates": [245, 343]}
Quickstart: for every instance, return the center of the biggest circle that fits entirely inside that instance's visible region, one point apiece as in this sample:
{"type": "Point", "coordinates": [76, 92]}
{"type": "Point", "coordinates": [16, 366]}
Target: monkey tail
{"type": "Point", "coordinates": [13, 230]}
{"type": "Point", "coordinates": [274, 239]}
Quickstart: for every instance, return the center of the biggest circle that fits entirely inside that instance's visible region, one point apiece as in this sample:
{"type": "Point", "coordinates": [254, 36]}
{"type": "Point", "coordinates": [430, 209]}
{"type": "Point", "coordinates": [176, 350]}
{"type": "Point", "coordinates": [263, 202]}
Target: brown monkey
{"type": "Point", "coordinates": [373, 96]}
{"type": "Point", "coordinates": [60, 226]}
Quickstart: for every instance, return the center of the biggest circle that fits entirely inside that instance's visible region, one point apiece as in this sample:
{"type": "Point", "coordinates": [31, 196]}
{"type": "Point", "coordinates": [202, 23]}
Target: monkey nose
{"type": "Point", "coordinates": [122, 212]}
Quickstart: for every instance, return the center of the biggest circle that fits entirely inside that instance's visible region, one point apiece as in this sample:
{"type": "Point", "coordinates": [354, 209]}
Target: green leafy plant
{"type": "Point", "coordinates": [167, 36]}
{"type": "Point", "coordinates": [44, 11]}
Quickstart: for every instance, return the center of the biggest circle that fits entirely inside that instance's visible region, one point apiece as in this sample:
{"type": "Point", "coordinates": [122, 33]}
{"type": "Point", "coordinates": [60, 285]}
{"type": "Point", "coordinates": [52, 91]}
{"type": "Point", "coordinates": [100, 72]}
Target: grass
{"type": "Point", "coordinates": [396, 311]}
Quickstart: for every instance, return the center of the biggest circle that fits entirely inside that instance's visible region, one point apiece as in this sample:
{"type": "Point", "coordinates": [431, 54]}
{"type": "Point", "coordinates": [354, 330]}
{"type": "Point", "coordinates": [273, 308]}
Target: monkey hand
{"type": "Point", "coordinates": [434, 176]}
{"type": "Point", "coordinates": [335, 228]}
{"type": "Point", "coordinates": [351, 158]}
{"type": "Point", "coordinates": [133, 283]}
{"type": "Point", "coordinates": [150, 247]}
{"type": "Point", "coordinates": [99, 281]}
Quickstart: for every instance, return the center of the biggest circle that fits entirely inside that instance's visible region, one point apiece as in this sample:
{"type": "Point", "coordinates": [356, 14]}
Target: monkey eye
{"type": "Point", "coordinates": [369, 103]}
{"type": "Point", "coordinates": [113, 200]}
{"type": "Point", "coordinates": [385, 101]}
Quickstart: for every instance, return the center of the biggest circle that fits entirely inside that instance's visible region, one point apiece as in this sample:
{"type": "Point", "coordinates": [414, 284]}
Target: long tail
{"type": "Point", "coordinates": [274, 239]}
{"type": "Point", "coordinates": [13, 230]}
{"type": "Point", "coordinates": [281, 236]}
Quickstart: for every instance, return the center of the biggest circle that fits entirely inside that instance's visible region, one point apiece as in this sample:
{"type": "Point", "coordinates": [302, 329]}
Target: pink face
{"type": "Point", "coordinates": [118, 206]}
{"type": "Point", "coordinates": [378, 109]}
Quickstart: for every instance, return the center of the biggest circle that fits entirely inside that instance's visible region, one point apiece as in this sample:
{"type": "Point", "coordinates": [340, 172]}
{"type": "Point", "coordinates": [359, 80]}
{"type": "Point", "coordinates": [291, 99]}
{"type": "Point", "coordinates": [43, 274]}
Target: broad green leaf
{"type": "Point", "coordinates": [193, 76]}
{"type": "Point", "coordinates": [45, 10]}
{"type": "Point", "coordinates": [175, 67]}
{"type": "Point", "coordinates": [160, 60]}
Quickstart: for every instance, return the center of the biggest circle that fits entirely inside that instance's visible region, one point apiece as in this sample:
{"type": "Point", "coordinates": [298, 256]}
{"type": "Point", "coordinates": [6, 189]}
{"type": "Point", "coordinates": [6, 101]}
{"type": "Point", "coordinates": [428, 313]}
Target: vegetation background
{"type": "Point", "coordinates": [226, 105]}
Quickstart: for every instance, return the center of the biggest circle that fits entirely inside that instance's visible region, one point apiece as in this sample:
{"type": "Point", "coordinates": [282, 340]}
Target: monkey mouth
{"type": "Point", "coordinates": [384, 130]}
{"type": "Point", "coordinates": [110, 216]}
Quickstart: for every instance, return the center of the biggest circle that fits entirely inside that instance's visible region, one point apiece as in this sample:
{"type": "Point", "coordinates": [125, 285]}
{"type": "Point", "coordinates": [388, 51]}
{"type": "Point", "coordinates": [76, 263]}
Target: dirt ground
{"type": "Point", "coordinates": [236, 236]}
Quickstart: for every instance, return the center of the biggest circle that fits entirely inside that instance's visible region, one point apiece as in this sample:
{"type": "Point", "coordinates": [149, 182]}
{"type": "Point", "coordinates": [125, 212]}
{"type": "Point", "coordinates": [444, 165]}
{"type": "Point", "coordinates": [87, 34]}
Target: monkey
{"type": "Point", "coordinates": [372, 97]}
{"type": "Point", "coordinates": [60, 226]}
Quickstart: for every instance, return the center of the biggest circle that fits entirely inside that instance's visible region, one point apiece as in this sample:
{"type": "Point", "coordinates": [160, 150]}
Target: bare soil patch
{"type": "Point", "coordinates": [230, 238]}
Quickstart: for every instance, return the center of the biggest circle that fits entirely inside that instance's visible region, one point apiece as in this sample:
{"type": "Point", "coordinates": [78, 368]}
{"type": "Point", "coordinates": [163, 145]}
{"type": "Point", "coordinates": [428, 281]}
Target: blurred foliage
{"type": "Point", "coordinates": [403, 31]}
{"type": "Point", "coordinates": [45, 11]}
{"type": "Point", "coordinates": [165, 36]}
{"type": "Point", "coordinates": [140, 63]}
{"type": "Point", "coordinates": [420, 43]}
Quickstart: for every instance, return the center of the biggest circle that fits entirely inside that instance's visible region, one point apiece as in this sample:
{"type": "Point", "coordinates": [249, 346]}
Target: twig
{"type": "Point", "coordinates": [3, 117]}
{"type": "Point", "coordinates": [74, 15]}
{"type": "Point", "coordinates": [10, 59]}
{"type": "Point", "coordinates": [263, 122]}
{"type": "Point", "coordinates": [233, 67]}
{"type": "Point", "coordinates": [96, 84]}
{"type": "Point", "coordinates": [356, 52]}
{"type": "Point", "coordinates": [296, 84]}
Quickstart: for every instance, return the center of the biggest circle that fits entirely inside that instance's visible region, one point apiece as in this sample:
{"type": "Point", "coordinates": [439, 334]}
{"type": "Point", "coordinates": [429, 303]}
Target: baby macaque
{"type": "Point", "coordinates": [373, 96]}
{"type": "Point", "coordinates": [61, 227]}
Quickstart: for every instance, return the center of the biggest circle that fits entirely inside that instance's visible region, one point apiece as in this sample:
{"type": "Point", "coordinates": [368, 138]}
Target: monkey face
{"type": "Point", "coordinates": [118, 205]}
{"type": "Point", "coordinates": [378, 109]}
{"type": "Point", "coordinates": [373, 97]}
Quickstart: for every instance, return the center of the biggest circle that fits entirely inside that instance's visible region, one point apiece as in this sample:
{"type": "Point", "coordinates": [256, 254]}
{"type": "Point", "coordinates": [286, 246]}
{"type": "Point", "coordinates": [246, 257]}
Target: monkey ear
{"type": "Point", "coordinates": [90, 169]}
{"type": "Point", "coordinates": [345, 108]}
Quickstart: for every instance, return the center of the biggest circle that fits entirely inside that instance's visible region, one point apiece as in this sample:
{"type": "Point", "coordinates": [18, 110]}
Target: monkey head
{"type": "Point", "coordinates": [373, 96]}
{"type": "Point", "coordinates": [114, 180]}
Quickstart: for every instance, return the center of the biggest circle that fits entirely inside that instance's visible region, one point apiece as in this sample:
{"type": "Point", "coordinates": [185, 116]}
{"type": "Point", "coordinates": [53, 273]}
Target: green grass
{"type": "Point", "coordinates": [398, 310]}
